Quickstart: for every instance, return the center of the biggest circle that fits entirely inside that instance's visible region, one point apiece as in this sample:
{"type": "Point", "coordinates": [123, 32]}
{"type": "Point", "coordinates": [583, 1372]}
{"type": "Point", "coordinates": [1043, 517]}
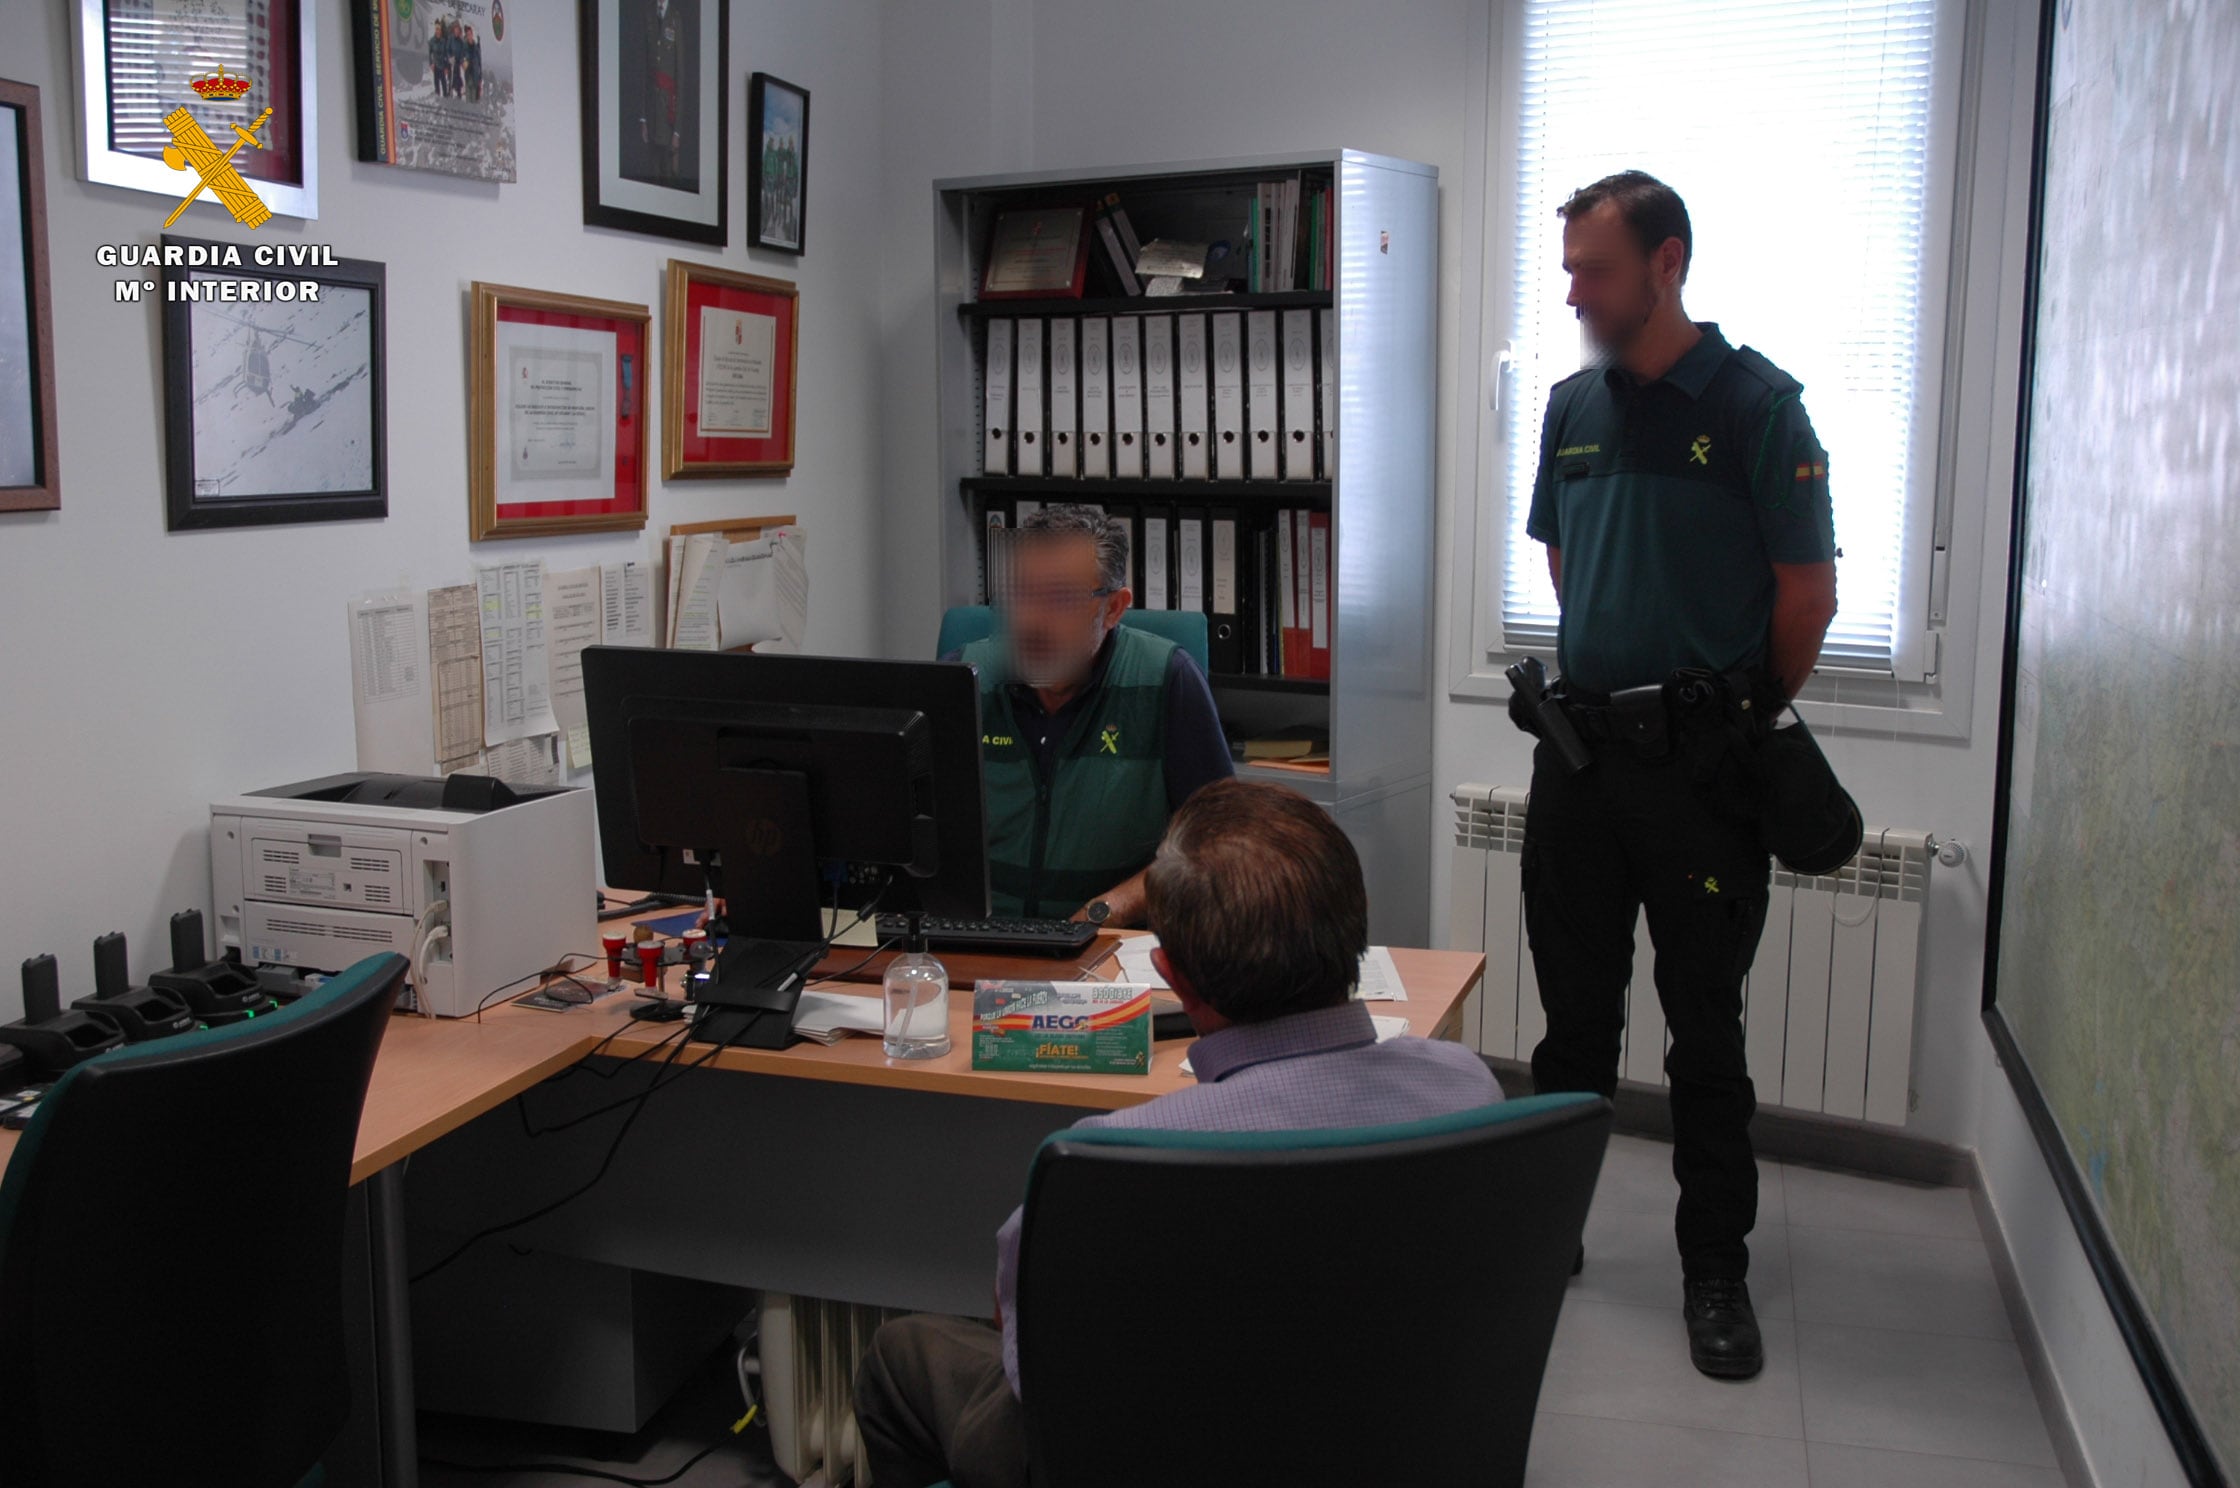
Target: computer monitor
{"type": "Point", "coordinates": [785, 784]}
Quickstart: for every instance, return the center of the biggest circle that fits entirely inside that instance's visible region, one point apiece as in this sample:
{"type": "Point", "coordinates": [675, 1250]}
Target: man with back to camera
{"type": "Point", "coordinates": [1262, 918]}
{"type": "Point", "coordinates": [1091, 733]}
{"type": "Point", "coordinates": [1683, 499]}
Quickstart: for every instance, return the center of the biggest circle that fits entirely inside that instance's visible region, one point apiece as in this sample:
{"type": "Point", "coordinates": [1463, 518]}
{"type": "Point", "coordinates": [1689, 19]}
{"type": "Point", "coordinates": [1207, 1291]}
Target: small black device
{"type": "Point", "coordinates": [50, 1037]}
{"type": "Point", "coordinates": [217, 992]}
{"type": "Point", "coordinates": [139, 1013]}
{"type": "Point", "coordinates": [782, 783]}
{"type": "Point", "coordinates": [1542, 716]}
{"type": "Point", "coordinates": [995, 937]}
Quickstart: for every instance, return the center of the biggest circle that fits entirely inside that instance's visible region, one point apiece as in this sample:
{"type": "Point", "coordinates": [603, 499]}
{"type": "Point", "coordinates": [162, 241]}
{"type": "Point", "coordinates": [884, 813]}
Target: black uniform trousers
{"type": "Point", "coordinates": [1627, 835]}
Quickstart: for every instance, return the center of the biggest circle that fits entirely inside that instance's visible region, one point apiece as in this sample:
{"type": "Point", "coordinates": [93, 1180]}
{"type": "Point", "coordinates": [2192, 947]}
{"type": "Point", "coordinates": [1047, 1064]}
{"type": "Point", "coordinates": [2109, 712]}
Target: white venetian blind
{"type": "Point", "coordinates": [1798, 133]}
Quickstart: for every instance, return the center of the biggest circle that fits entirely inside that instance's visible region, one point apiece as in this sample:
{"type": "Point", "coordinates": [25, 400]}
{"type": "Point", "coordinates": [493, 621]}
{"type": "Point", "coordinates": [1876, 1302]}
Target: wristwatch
{"type": "Point", "coordinates": [1097, 912]}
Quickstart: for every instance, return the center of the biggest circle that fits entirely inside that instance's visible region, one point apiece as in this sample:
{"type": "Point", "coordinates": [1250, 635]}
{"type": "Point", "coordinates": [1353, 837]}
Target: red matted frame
{"type": "Point", "coordinates": [622, 510]}
{"type": "Point", "coordinates": [684, 450]}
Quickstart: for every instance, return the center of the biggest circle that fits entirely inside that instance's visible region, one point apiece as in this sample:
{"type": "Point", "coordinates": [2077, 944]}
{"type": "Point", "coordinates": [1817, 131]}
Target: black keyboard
{"type": "Point", "coordinates": [996, 937]}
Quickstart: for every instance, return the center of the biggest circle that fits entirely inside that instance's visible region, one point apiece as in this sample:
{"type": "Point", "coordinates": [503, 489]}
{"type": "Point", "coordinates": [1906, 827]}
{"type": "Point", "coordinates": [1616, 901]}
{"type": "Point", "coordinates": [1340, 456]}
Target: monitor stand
{"type": "Point", "coordinates": [769, 882]}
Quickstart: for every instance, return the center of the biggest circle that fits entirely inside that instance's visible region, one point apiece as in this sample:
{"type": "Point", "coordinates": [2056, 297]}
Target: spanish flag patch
{"type": "Point", "coordinates": [1813, 472]}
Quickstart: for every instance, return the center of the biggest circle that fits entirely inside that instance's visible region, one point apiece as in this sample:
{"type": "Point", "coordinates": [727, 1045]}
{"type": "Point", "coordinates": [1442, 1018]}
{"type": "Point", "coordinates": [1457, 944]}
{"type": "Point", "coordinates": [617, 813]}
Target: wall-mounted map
{"type": "Point", "coordinates": [2118, 967]}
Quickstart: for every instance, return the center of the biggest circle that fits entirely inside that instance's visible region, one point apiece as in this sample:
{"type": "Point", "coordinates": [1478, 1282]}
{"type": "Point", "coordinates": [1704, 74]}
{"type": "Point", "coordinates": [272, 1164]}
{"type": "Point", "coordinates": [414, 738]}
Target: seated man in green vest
{"type": "Point", "coordinates": [1092, 733]}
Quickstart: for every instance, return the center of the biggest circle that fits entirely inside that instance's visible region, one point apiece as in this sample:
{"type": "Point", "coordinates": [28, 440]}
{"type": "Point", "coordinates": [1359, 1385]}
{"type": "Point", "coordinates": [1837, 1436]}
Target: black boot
{"type": "Point", "coordinates": [1723, 1330]}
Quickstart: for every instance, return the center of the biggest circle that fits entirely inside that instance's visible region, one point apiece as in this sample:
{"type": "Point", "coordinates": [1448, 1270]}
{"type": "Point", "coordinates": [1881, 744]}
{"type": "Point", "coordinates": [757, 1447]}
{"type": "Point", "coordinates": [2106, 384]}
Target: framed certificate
{"type": "Point", "coordinates": [1038, 253]}
{"type": "Point", "coordinates": [233, 68]}
{"type": "Point", "coordinates": [30, 461]}
{"type": "Point", "coordinates": [728, 373]}
{"type": "Point", "coordinates": [559, 411]}
{"type": "Point", "coordinates": [656, 133]}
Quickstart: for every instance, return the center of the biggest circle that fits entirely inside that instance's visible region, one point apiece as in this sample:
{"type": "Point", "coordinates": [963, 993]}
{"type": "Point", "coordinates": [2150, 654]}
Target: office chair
{"type": "Point", "coordinates": [171, 1252]}
{"type": "Point", "coordinates": [964, 624]}
{"type": "Point", "coordinates": [1202, 1308]}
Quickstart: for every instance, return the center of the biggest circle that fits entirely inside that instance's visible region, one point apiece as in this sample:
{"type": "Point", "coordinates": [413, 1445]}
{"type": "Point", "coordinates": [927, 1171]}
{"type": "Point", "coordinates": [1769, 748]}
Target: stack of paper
{"type": "Point", "coordinates": [1380, 979]}
{"type": "Point", "coordinates": [828, 1017]}
{"type": "Point", "coordinates": [724, 595]}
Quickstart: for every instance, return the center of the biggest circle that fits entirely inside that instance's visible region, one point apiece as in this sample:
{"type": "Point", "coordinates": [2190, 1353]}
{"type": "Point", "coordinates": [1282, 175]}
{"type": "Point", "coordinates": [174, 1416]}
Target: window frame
{"type": "Point", "coordinates": [1980, 105]}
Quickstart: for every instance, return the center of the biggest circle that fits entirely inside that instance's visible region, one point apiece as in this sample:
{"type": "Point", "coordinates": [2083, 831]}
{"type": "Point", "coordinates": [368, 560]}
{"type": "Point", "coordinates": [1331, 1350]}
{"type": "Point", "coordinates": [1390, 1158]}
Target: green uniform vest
{"type": "Point", "coordinates": [1053, 845]}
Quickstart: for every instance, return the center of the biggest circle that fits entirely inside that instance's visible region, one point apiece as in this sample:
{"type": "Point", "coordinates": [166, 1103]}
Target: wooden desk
{"type": "Point", "coordinates": [435, 1075]}
{"type": "Point", "coordinates": [1437, 983]}
{"type": "Point", "coordinates": [803, 1183]}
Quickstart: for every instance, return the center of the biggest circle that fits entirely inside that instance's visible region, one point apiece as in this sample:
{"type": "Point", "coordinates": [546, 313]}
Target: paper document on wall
{"type": "Point", "coordinates": [516, 665]}
{"type": "Point", "coordinates": [572, 608]}
{"type": "Point", "coordinates": [626, 604]}
{"type": "Point", "coordinates": [532, 761]}
{"type": "Point", "coordinates": [763, 598]}
{"type": "Point", "coordinates": [699, 568]}
{"type": "Point", "coordinates": [455, 663]}
{"type": "Point", "coordinates": [389, 683]}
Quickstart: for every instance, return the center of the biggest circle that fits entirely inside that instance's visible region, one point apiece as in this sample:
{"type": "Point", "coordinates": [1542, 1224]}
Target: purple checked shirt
{"type": "Point", "coordinates": [1323, 1068]}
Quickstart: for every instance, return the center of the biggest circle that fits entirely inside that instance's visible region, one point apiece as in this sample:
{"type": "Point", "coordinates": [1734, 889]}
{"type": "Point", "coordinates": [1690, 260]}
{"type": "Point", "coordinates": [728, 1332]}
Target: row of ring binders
{"type": "Point", "coordinates": [1225, 395]}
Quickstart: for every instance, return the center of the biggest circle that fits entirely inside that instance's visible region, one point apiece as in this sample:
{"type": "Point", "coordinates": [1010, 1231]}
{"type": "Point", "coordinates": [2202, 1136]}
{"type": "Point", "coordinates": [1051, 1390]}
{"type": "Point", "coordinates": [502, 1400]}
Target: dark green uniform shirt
{"type": "Point", "coordinates": [1671, 502]}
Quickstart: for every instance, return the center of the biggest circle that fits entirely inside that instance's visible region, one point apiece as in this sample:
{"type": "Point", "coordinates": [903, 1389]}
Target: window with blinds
{"type": "Point", "coordinates": [1799, 134]}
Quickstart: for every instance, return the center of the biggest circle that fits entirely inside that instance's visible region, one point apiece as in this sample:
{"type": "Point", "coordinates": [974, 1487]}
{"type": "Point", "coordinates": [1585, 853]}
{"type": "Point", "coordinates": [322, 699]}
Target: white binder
{"type": "Point", "coordinates": [1326, 373]}
{"type": "Point", "coordinates": [1264, 373]}
{"type": "Point", "coordinates": [1096, 397]}
{"type": "Point", "coordinates": [1027, 382]}
{"type": "Point", "coordinates": [1190, 561]}
{"type": "Point", "coordinates": [1127, 398]}
{"type": "Point", "coordinates": [1228, 396]}
{"type": "Point", "coordinates": [1158, 397]}
{"type": "Point", "coordinates": [995, 456]}
{"type": "Point", "coordinates": [1298, 395]}
{"type": "Point", "coordinates": [1190, 395]}
{"type": "Point", "coordinates": [1065, 402]}
{"type": "Point", "coordinates": [1155, 590]}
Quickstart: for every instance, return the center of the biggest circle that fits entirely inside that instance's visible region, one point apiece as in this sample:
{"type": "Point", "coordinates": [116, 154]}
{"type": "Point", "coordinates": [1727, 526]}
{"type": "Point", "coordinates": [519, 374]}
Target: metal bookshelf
{"type": "Point", "coordinates": [1377, 704]}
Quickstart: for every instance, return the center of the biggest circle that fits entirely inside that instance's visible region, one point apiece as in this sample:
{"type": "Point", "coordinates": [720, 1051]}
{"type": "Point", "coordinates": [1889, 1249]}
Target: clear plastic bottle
{"type": "Point", "coordinates": [917, 1006]}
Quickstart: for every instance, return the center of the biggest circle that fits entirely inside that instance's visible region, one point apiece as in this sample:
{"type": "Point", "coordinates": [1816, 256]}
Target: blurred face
{"type": "Point", "coordinates": [1055, 614]}
{"type": "Point", "coordinates": [1615, 287]}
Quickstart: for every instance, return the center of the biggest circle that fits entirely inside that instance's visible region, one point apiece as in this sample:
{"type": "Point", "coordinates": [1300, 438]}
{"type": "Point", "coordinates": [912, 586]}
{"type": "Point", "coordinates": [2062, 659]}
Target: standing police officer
{"type": "Point", "coordinates": [1683, 499]}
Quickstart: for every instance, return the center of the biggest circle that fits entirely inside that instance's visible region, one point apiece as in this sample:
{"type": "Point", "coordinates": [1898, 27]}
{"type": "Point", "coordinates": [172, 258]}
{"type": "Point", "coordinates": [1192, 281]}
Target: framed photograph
{"type": "Point", "coordinates": [273, 399]}
{"type": "Point", "coordinates": [30, 458]}
{"type": "Point", "coordinates": [435, 83]}
{"type": "Point", "coordinates": [1038, 253]}
{"type": "Point", "coordinates": [656, 152]}
{"type": "Point", "coordinates": [728, 373]}
{"type": "Point", "coordinates": [558, 406]}
{"type": "Point", "coordinates": [777, 162]}
{"type": "Point", "coordinates": [172, 91]}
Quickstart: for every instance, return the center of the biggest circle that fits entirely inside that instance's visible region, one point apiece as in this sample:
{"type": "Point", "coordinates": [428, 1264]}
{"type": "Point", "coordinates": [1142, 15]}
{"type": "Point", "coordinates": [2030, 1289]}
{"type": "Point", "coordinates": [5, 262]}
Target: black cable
{"type": "Point", "coordinates": [876, 952]}
{"type": "Point", "coordinates": [557, 970]}
{"type": "Point", "coordinates": [565, 1199]}
{"type": "Point", "coordinates": [575, 1472]}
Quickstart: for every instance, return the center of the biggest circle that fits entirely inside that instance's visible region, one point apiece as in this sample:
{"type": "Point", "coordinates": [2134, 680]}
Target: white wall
{"type": "Point", "coordinates": [148, 672]}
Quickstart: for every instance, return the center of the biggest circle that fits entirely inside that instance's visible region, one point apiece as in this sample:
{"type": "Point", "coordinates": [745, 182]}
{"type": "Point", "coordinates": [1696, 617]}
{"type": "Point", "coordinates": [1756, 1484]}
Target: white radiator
{"type": "Point", "coordinates": [810, 1349]}
{"type": "Point", "coordinates": [1828, 1009]}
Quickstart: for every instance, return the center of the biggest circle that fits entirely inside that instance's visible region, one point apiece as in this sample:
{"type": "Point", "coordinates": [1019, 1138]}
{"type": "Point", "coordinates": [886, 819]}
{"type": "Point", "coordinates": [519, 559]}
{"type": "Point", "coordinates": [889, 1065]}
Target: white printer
{"type": "Point", "coordinates": [481, 884]}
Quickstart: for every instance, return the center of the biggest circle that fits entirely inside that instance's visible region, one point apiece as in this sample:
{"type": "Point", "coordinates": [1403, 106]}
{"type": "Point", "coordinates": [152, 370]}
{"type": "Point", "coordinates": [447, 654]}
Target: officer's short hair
{"type": "Point", "coordinates": [1652, 209]}
{"type": "Point", "coordinates": [1065, 519]}
{"type": "Point", "coordinates": [1258, 900]}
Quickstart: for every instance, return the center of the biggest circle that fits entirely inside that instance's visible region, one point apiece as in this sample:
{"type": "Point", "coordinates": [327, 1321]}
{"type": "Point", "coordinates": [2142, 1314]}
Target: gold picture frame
{"type": "Point", "coordinates": [758, 405]}
{"type": "Point", "coordinates": [573, 412]}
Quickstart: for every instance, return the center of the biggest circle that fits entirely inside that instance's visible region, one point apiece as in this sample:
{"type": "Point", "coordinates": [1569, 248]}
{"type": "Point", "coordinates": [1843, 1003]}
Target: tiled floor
{"type": "Point", "coordinates": [1889, 1359]}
